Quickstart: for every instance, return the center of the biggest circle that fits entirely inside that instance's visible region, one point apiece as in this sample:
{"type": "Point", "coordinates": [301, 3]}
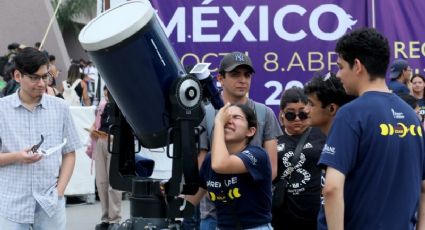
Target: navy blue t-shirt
{"type": "Point", "coordinates": [248, 194]}
{"type": "Point", "coordinates": [376, 141]}
{"type": "Point", "coordinates": [397, 87]}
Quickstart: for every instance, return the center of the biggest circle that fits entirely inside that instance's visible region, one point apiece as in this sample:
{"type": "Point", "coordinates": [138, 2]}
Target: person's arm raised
{"type": "Point", "coordinates": [221, 160]}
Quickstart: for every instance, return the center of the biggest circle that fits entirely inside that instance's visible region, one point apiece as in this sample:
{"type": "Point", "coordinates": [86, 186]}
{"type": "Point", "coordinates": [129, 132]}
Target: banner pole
{"type": "Point", "coordinates": [373, 14]}
{"type": "Point", "coordinates": [50, 25]}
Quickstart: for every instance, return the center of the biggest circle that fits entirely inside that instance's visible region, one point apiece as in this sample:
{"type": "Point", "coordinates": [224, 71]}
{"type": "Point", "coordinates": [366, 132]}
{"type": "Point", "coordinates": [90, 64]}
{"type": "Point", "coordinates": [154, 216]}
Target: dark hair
{"type": "Point", "coordinates": [369, 47]}
{"type": "Point", "coordinates": [409, 99]}
{"type": "Point", "coordinates": [292, 95]}
{"type": "Point", "coordinates": [13, 46]}
{"type": "Point", "coordinates": [327, 91]}
{"type": "Point", "coordinates": [417, 75]}
{"type": "Point", "coordinates": [74, 73]}
{"type": "Point", "coordinates": [52, 58]}
{"type": "Point", "coordinates": [250, 117]}
{"type": "Point", "coordinates": [30, 59]}
{"type": "Point", "coordinates": [9, 68]}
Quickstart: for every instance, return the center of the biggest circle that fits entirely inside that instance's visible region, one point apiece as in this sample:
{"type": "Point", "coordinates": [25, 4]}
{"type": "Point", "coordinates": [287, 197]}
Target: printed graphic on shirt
{"type": "Point", "coordinates": [400, 129]}
{"type": "Point", "coordinates": [250, 156]}
{"type": "Point", "coordinates": [322, 184]}
{"type": "Point", "coordinates": [224, 190]}
{"type": "Point", "coordinates": [422, 110]}
{"type": "Point", "coordinates": [328, 149]}
{"type": "Point", "coordinates": [281, 147]}
{"type": "Point", "coordinates": [397, 115]}
{"type": "Point", "coordinates": [297, 186]}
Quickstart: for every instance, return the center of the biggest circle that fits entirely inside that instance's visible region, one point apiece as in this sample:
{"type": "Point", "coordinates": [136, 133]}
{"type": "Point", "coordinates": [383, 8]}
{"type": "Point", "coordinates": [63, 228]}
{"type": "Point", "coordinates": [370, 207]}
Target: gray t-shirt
{"type": "Point", "coordinates": [268, 129]}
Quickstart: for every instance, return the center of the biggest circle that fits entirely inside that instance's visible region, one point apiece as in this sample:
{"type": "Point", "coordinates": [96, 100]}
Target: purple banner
{"type": "Point", "coordinates": [403, 23]}
{"type": "Point", "coordinates": [288, 41]}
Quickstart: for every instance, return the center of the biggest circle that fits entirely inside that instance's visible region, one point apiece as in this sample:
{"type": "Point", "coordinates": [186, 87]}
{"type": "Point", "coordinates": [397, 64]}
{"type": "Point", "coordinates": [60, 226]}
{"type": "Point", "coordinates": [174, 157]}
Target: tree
{"type": "Point", "coordinates": [73, 14]}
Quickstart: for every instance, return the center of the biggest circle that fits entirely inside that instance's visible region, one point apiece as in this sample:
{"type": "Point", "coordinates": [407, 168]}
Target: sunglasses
{"type": "Point", "coordinates": [291, 116]}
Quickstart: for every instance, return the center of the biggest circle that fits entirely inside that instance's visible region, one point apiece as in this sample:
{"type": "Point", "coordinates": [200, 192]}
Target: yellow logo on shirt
{"type": "Point", "coordinates": [400, 129]}
{"type": "Point", "coordinates": [233, 193]}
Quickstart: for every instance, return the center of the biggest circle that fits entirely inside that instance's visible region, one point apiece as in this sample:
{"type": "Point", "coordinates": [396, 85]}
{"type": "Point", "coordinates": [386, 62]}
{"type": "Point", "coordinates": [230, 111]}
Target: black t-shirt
{"type": "Point", "coordinates": [79, 90]}
{"type": "Point", "coordinates": [302, 199]}
{"type": "Point", "coordinates": [107, 117]}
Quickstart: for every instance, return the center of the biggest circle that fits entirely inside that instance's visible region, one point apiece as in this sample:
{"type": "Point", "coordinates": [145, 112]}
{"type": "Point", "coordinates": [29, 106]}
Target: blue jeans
{"type": "Point", "coordinates": [192, 223]}
{"type": "Point", "coordinates": [262, 227]}
{"type": "Point", "coordinates": [209, 223]}
{"type": "Point", "coordinates": [41, 220]}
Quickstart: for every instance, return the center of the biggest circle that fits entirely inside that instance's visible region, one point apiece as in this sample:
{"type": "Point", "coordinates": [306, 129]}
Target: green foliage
{"type": "Point", "coordinates": [72, 9]}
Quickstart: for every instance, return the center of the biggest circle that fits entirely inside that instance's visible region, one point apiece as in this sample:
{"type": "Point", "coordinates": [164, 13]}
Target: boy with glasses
{"type": "Point", "coordinates": [33, 184]}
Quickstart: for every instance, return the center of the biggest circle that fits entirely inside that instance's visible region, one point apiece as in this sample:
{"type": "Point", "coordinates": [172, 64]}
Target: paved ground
{"type": "Point", "coordinates": [82, 216]}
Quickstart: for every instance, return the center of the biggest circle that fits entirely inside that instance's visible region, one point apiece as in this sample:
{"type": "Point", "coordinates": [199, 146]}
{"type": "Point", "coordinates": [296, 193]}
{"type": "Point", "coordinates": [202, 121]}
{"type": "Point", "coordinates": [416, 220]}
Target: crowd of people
{"type": "Point", "coordinates": [345, 152]}
{"type": "Point", "coordinates": [347, 155]}
{"type": "Point", "coordinates": [80, 71]}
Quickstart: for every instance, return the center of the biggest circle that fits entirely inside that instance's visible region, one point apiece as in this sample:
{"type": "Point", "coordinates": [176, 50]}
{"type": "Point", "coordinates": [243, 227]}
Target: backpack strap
{"type": "Point", "coordinates": [76, 82]}
{"type": "Point", "coordinates": [73, 86]}
{"type": "Point", "coordinates": [297, 153]}
{"type": "Point", "coordinates": [65, 85]}
{"type": "Point", "coordinates": [260, 111]}
{"type": "Point", "coordinates": [209, 118]}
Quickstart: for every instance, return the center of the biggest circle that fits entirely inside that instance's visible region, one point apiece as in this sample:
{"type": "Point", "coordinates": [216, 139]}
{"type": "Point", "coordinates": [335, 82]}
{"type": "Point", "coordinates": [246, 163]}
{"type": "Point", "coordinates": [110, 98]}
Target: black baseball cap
{"type": "Point", "coordinates": [233, 60]}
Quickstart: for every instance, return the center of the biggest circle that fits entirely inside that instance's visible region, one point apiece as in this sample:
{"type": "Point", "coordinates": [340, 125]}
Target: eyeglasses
{"type": "Point", "coordinates": [36, 78]}
{"type": "Point", "coordinates": [291, 116]}
{"type": "Point", "coordinates": [328, 77]}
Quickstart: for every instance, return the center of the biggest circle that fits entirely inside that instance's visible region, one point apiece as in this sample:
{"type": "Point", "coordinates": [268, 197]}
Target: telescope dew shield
{"type": "Point", "coordinates": [137, 62]}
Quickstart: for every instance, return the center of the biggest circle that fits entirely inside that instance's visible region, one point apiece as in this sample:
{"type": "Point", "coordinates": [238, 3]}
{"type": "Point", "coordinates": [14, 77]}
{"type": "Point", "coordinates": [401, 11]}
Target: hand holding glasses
{"type": "Point", "coordinates": [34, 148]}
